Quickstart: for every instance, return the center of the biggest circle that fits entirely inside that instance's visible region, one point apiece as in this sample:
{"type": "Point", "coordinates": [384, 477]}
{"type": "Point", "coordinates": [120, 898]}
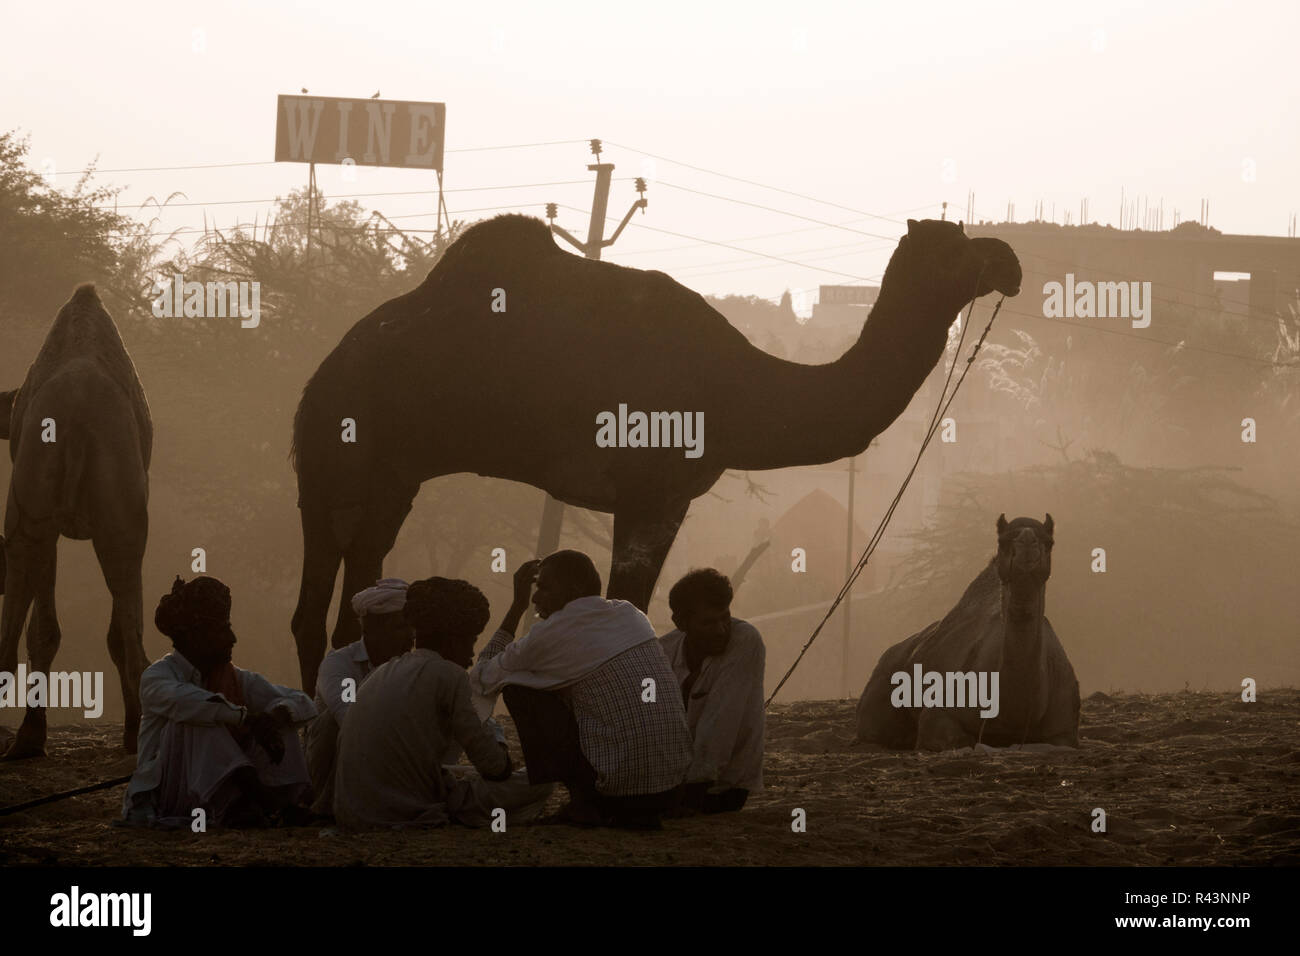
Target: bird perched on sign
{"type": "Point", "coordinates": [304, 89]}
{"type": "Point", "coordinates": [374, 95]}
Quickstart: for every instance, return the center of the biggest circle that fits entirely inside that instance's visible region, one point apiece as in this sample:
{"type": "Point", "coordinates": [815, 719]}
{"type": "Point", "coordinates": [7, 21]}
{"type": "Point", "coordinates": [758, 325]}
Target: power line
{"type": "Point", "coordinates": [272, 162]}
{"type": "Point", "coordinates": [410, 192]}
{"type": "Point", "coordinates": [751, 182]}
{"type": "Point", "coordinates": [332, 227]}
{"type": "Point", "coordinates": [726, 245]}
{"type": "Point", "coordinates": [767, 235]}
{"type": "Point", "coordinates": [783, 212]}
{"type": "Point", "coordinates": [155, 169]}
{"type": "Point", "coordinates": [851, 250]}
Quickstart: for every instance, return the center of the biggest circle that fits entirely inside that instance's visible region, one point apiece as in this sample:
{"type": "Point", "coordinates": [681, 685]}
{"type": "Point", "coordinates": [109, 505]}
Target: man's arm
{"type": "Point", "coordinates": [488, 674]}
{"type": "Point", "coordinates": [329, 685]}
{"type": "Point", "coordinates": [263, 697]}
{"type": "Point", "coordinates": [185, 703]}
{"type": "Point", "coordinates": [485, 752]}
{"type": "Point", "coordinates": [524, 578]}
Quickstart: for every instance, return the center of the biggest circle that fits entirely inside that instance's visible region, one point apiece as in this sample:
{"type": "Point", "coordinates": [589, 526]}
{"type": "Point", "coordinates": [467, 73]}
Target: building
{"type": "Point", "coordinates": [1181, 264]}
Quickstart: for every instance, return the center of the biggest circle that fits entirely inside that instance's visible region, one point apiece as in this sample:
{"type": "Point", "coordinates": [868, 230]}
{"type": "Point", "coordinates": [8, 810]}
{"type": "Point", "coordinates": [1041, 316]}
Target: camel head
{"type": "Point", "coordinates": [1024, 560]}
{"type": "Point", "coordinates": [939, 262]}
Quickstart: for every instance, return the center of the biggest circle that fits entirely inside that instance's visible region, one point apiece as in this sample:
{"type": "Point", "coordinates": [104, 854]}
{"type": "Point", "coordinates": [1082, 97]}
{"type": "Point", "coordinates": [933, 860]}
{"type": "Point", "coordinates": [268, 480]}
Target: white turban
{"type": "Point", "coordinates": [386, 597]}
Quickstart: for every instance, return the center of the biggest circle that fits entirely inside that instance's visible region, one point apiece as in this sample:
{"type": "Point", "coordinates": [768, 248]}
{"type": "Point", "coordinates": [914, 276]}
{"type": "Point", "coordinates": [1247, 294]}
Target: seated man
{"type": "Point", "coordinates": [213, 736]}
{"type": "Point", "coordinates": [592, 696]}
{"type": "Point", "coordinates": [391, 747]}
{"type": "Point", "coordinates": [384, 634]}
{"type": "Point", "coordinates": [718, 661]}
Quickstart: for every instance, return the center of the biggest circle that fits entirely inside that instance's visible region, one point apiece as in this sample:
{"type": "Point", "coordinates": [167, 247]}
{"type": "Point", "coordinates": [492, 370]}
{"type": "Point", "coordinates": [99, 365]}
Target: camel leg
{"type": "Point", "coordinates": [17, 600]}
{"type": "Point", "coordinates": [321, 555]}
{"type": "Point", "coordinates": [363, 564]}
{"type": "Point", "coordinates": [34, 564]}
{"type": "Point", "coordinates": [121, 570]}
{"type": "Point", "coordinates": [642, 540]}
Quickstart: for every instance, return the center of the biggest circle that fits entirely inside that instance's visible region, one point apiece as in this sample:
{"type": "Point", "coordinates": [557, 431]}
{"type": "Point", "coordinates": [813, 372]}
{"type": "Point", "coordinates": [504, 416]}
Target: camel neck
{"type": "Point", "coordinates": [1022, 643]}
{"type": "Point", "coordinates": [798, 414]}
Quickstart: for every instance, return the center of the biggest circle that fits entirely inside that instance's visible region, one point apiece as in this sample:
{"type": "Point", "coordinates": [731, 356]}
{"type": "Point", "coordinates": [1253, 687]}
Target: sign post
{"type": "Point", "coordinates": [363, 132]}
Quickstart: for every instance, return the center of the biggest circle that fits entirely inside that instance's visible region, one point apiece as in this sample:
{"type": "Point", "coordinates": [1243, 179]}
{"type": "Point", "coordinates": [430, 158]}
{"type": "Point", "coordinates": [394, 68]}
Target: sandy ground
{"type": "Point", "coordinates": [1187, 779]}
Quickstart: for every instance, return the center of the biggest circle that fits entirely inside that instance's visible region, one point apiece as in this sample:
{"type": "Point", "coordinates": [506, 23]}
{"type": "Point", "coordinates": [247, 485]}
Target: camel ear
{"type": "Point", "coordinates": [1048, 524]}
{"type": "Point", "coordinates": [1002, 522]}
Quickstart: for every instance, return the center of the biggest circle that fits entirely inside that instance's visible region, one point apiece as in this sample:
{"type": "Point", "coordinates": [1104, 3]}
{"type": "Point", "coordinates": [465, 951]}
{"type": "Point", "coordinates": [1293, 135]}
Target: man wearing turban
{"type": "Point", "coordinates": [213, 736]}
{"type": "Point", "coordinates": [384, 634]}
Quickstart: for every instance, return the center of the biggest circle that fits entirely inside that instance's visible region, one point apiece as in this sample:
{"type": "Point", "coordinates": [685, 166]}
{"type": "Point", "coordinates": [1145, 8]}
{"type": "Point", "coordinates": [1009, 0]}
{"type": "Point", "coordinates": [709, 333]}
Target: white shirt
{"type": "Point", "coordinates": [351, 661]}
{"type": "Point", "coordinates": [171, 690]}
{"type": "Point", "coordinates": [565, 647]}
{"type": "Point", "coordinates": [725, 708]}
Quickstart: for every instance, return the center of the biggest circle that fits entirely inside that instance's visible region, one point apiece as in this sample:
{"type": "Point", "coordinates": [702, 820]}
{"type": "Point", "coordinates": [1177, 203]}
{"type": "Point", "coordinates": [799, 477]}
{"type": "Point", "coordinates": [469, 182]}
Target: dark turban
{"type": "Point", "coordinates": [191, 604]}
{"type": "Point", "coordinates": [442, 606]}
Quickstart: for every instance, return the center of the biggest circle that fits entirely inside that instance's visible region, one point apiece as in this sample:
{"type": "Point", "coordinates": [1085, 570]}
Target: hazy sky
{"type": "Point", "coordinates": [887, 109]}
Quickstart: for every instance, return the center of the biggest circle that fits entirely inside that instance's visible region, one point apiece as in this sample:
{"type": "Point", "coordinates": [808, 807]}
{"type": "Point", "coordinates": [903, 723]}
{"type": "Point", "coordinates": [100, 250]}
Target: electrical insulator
{"type": "Point", "coordinates": [550, 210]}
{"type": "Point", "coordinates": [595, 148]}
{"type": "Point", "coordinates": [640, 185]}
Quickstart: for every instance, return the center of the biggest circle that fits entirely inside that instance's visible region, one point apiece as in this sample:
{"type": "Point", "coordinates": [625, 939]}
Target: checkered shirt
{"type": "Point", "coordinates": [634, 745]}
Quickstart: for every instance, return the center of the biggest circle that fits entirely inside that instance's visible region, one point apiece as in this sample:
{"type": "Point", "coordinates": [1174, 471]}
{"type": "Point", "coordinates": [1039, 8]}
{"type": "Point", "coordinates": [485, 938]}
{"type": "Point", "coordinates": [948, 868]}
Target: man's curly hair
{"type": "Point", "coordinates": [700, 587]}
{"type": "Point", "coordinates": [445, 607]}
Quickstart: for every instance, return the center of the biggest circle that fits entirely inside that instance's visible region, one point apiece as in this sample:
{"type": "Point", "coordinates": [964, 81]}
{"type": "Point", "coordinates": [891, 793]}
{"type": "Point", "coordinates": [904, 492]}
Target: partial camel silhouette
{"type": "Point", "coordinates": [80, 438]}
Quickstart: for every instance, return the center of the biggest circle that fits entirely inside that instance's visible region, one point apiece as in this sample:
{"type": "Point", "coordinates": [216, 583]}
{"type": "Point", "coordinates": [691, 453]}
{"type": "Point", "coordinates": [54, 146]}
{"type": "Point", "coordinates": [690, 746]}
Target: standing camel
{"type": "Point", "coordinates": [80, 439]}
{"type": "Point", "coordinates": [501, 361]}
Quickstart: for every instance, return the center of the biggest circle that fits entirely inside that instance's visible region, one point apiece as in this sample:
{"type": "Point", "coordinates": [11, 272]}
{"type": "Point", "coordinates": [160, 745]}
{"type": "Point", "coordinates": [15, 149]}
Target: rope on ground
{"type": "Point", "coordinates": [940, 410]}
{"type": "Point", "coordinates": [54, 797]}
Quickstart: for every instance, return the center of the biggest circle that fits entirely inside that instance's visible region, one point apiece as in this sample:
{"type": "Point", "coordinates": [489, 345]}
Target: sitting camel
{"type": "Point", "coordinates": [999, 625]}
{"type": "Point", "coordinates": [80, 438]}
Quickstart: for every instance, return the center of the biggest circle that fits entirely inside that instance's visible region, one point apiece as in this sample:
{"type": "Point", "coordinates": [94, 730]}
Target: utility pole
{"type": "Point", "coordinates": [548, 536]}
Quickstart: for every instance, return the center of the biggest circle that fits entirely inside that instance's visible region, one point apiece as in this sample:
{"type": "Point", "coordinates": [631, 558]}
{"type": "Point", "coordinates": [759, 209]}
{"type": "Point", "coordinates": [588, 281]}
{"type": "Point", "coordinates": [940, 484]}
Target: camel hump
{"type": "Point", "coordinates": [84, 344]}
{"type": "Point", "coordinates": [83, 327]}
{"type": "Point", "coordinates": [508, 238]}
{"type": "Point", "coordinates": [86, 295]}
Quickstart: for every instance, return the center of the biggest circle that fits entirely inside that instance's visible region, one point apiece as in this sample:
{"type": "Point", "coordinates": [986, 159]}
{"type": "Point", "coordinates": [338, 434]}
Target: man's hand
{"type": "Point", "coordinates": [265, 729]}
{"type": "Point", "coordinates": [524, 579]}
